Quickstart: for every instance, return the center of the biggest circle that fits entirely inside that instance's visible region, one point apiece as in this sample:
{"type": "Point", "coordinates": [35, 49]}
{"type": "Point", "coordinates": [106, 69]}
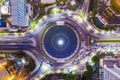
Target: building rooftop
{"type": "Point", "coordinates": [116, 5]}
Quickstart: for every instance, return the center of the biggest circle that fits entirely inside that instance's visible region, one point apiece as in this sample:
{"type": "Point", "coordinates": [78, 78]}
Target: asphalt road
{"type": "Point", "coordinates": [27, 42]}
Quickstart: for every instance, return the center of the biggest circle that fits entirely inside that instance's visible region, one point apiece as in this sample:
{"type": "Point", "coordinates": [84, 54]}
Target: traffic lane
{"type": "Point", "coordinates": [16, 47]}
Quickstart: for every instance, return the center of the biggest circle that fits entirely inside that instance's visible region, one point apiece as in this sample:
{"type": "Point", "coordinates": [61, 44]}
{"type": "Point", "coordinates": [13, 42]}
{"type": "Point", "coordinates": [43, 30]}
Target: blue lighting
{"type": "Point", "coordinates": [60, 41]}
{"type": "Point", "coordinates": [19, 63]}
{"type": "Point", "coordinates": [2, 23]}
{"type": "Point", "coordinates": [95, 45]}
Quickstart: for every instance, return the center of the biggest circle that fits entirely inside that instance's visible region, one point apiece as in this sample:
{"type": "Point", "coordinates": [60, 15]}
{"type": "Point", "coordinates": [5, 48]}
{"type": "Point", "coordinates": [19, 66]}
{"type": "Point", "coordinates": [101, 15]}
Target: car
{"type": "Point", "coordinates": [108, 57]}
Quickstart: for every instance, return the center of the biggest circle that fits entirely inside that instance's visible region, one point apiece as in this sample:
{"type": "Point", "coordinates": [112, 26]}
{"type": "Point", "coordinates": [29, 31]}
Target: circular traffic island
{"type": "Point", "coordinates": [60, 43]}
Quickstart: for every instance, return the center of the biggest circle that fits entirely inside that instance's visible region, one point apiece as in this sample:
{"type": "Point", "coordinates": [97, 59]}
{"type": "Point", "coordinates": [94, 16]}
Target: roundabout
{"type": "Point", "coordinates": [60, 43]}
{"type": "Point", "coordinates": [60, 39]}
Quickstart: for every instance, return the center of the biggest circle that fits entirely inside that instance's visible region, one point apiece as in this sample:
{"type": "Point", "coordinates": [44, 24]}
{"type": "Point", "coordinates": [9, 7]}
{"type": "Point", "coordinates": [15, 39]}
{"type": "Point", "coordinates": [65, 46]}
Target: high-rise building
{"type": "Point", "coordinates": [19, 13]}
{"type": "Point", "coordinates": [4, 74]}
{"type": "Point", "coordinates": [110, 69]}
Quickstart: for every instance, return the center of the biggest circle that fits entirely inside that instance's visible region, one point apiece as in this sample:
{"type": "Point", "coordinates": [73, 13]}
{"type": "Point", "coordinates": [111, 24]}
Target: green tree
{"type": "Point", "coordinates": [87, 75]}
{"type": "Point", "coordinates": [2, 2]}
{"type": "Point", "coordinates": [95, 58]}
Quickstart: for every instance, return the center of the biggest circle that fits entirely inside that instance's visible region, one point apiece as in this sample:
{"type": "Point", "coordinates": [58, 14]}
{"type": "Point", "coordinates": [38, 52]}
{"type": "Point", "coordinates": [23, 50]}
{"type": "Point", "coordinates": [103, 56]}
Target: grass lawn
{"type": "Point", "coordinates": [2, 2]}
{"type": "Point", "coordinates": [108, 41]}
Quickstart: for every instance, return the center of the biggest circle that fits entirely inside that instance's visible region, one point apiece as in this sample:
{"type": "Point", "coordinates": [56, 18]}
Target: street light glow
{"type": "Point", "coordinates": [45, 67]}
{"type": "Point", "coordinates": [89, 27]}
{"type": "Point", "coordinates": [55, 10]}
{"type": "Point", "coordinates": [96, 31]}
{"type": "Point", "coordinates": [60, 42]}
